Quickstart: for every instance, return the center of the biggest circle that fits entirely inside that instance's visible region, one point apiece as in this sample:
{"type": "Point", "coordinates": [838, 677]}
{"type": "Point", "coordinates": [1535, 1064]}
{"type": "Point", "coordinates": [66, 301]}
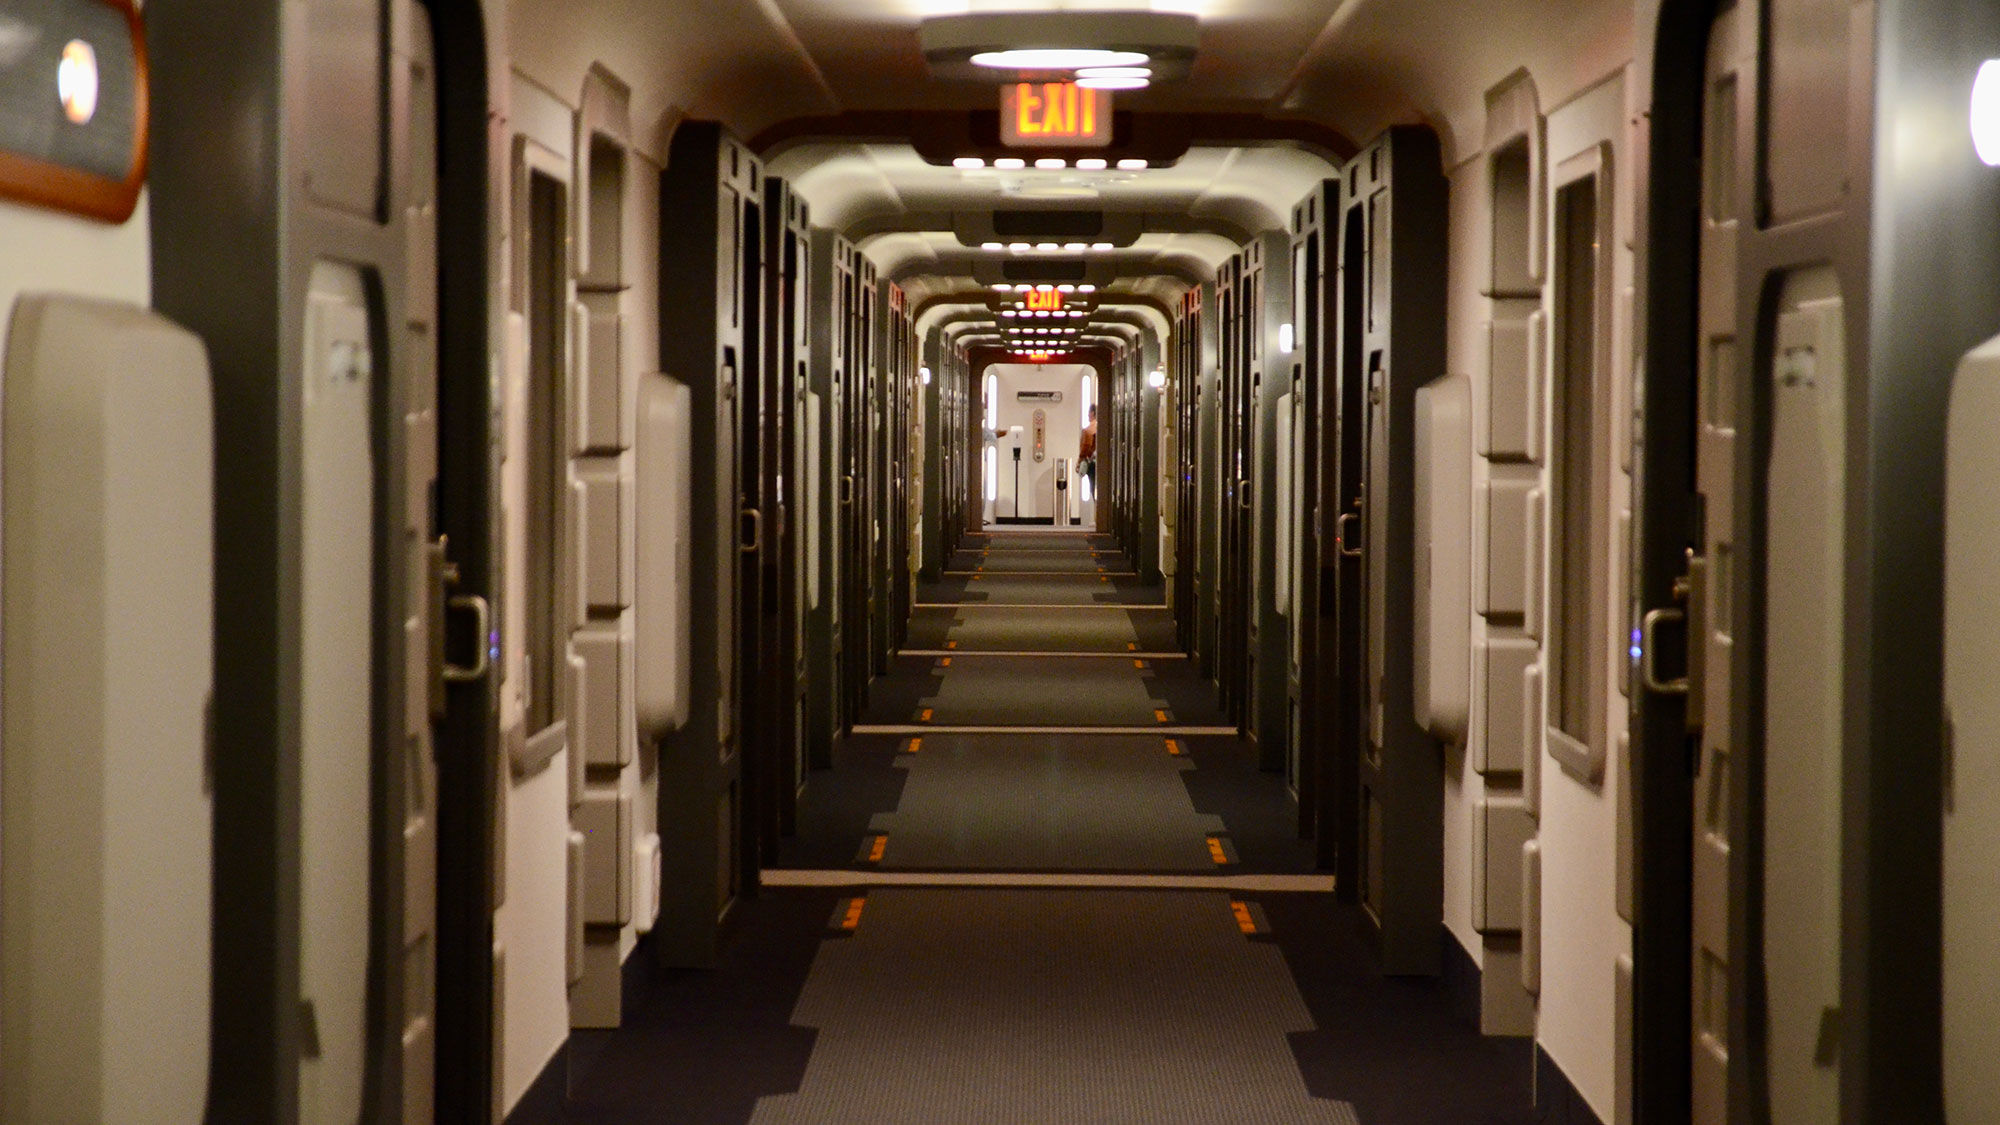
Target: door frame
{"type": "Point", "coordinates": [469, 322]}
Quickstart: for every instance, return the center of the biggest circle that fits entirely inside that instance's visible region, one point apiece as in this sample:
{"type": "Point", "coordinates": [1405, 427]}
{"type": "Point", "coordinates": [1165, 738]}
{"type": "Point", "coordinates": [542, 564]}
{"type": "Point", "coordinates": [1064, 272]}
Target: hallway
{"type": "Point", "coordinates": [1044, 881]}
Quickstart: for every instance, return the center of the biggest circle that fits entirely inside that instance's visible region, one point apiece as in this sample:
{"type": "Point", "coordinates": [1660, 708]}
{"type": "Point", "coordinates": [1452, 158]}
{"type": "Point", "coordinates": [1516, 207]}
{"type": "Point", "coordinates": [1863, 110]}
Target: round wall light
{"type": "Point", "coordinates": [1986, 112]}
{"type": "Point", "coordinates": [1157, 379]}
{"type": "Point", "coordinates": [76, 81]}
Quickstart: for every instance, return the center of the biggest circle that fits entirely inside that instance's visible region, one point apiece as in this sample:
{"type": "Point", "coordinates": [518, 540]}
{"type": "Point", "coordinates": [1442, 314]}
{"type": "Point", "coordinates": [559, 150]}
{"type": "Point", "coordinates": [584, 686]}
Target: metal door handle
{"type": "Point", "coordinates": [482, 616]}
{"type": "Point", "coordinates": [756, 542]}
{"type": "Point", "coordinates": [1243, 493]}
{"type": "Point", "coordinates": [1340, 534]}
{"type": "Point", "coordinates": [1649, 651]}
{"type": "Point", "coordinates": [846, 489]}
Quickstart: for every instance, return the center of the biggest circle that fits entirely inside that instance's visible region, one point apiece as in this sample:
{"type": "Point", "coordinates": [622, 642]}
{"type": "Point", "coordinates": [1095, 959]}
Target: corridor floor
{"type": "Point", "coordinates": [1043, 882]}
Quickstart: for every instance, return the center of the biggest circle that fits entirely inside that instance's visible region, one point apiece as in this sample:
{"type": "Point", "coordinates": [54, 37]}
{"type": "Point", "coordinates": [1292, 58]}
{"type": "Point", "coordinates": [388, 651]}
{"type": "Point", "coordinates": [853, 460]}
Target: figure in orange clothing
{"type": "Point", "coordinates": [1086, 452]}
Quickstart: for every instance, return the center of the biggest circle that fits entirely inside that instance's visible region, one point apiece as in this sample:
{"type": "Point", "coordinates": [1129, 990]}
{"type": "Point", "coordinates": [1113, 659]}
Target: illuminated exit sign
{"type": "Point", "coordinates": [1044, 302]}
{"type": "Point", "coordinates": [1054, 115]}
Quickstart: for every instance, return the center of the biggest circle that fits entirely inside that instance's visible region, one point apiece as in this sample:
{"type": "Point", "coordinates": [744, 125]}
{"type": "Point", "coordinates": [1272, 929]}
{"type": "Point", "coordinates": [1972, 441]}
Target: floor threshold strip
{"type": "Point", "coordinates": [1252, 884]}
{"type": "Point", "coordinates": [935, 728]}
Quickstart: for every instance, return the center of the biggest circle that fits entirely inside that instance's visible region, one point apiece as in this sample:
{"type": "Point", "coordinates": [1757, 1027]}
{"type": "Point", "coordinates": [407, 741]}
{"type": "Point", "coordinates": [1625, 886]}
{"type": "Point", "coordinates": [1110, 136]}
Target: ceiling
{"type": "Point", "coordinates": [1347, 67]}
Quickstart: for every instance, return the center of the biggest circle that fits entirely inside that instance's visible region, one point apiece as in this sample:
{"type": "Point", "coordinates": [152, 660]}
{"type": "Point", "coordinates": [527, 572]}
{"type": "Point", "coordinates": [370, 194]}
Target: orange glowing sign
{"type": "Point", "coordinates": [1054, 115]}
{"type": "Point", "coordinates": [1040, 301]}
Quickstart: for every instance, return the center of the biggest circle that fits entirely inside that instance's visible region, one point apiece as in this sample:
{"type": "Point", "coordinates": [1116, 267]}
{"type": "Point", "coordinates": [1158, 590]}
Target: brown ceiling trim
{"type": "Point", "coordinates": [1162, 138]}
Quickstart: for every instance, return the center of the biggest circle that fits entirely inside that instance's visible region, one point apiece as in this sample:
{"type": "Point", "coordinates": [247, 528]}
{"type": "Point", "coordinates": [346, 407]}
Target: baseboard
{"type": "Point", "coordinates": [543, 1100]}
{"type": "Point", "coordinates": [546, 1096]}
{"type": "Point", "coordinates": [1557, 1101]}
{"type": "Point", "coordinates": [1461, 979]}
{"type": "Point", "coordinates": [1034, 521]}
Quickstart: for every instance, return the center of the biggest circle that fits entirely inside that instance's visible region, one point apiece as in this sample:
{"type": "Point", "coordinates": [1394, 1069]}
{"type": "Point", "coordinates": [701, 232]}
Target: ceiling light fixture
{"type": "Point", "coordinates": [969, 163]}
{"type": "Point", "coordinates": [1092, 164]}
{"type": "Point", "coordinates": [1058, 58]}
{"type": "Point", "coordinates": [991, 246]}
{"type": "Point", "coordinates": [1042, 45]}
{"type": "Point", "coordinates": [1115, 72]}
{"type": "Point", "coordinates": [1010, 164]}
{"type": "Point", "coordinates": [1114, 83]}
{"type": "Point", "coordinates": [1127, 165]}
{"type": "Point", "coordinates": [1051, 163]}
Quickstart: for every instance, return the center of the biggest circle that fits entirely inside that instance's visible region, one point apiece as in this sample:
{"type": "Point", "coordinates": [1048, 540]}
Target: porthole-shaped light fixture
{"type": "Point", "coordinates": [77, 82]}
{"type": "Point", "coordinates": [1986, 112]}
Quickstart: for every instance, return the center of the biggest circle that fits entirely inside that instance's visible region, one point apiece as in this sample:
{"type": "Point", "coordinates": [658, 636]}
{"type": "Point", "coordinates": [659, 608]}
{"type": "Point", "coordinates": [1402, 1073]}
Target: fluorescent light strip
{"type": "Point", "coordinates": [1058, 58]}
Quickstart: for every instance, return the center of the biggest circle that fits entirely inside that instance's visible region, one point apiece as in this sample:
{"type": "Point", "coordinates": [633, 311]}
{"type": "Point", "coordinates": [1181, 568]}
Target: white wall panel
{"type": "Point", "coordinates": [104, 876]}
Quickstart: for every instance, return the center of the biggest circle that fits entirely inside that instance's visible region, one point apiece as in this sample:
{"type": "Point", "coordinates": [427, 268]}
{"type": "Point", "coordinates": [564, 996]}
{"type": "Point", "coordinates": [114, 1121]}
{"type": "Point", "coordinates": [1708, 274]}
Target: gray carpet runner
{"type": "Point", "coordinates": [1110, 1007]}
